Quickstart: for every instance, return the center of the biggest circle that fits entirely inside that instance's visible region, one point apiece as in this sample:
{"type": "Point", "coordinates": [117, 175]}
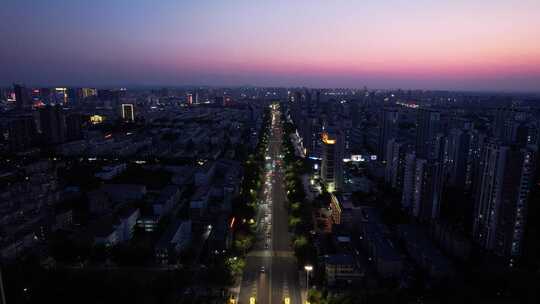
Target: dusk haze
{"type": "Point", "coordinates": [463, 45]}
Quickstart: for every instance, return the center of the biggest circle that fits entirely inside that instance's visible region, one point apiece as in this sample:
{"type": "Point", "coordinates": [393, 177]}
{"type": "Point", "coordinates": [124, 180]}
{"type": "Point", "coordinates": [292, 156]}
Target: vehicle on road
{"type": "Point", "coordinates": [263, 270]}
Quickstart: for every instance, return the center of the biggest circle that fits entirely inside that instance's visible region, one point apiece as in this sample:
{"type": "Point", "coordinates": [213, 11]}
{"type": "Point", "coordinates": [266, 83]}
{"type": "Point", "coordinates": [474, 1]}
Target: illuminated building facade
{"type": "Point", "coordinates": [336, 209]}
{"type": "Point", "coordinates": [61, 95]}
{"type": "Point", "coordinates": [96, 119]}
{"type": "Point", "coordinates": [128, 112]}
{"type": "Point", "coordinates": [332, 161]}
{"type": "Point", "coordinates": [88, 92]}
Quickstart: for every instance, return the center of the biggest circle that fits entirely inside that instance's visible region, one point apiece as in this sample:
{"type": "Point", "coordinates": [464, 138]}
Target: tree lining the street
{"type": "Point", "coordinates": [300, 209]}
{"type": "Point", "coordinates": [246, 203]}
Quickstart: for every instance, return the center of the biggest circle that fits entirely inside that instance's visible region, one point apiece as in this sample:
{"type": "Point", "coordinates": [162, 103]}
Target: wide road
{"type": "Point", "coordinates": [272, 249]}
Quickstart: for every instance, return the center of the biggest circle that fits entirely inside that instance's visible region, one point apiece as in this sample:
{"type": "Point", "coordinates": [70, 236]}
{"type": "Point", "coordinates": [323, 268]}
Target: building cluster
{"type": "Point", "coordinates": [404, 181]}
{"type": "Point", "coordinates": [111, 168]}
{"type": "Point", "coordinates": [459, 168]}
{"type": "Point", "coordinates": [100, 122]}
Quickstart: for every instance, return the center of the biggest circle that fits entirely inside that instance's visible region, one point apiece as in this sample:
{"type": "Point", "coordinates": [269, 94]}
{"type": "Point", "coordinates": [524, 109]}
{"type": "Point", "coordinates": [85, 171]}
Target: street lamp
{"type": "Point", "coordinates": [308, 268]}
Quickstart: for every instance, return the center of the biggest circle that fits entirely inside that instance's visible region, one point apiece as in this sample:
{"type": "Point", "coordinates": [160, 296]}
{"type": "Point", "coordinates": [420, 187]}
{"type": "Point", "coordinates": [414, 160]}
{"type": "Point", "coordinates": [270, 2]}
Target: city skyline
{"type": "Point", "coordinates": [267, 195]}
{"type": "Point", "coordinates": [479, 46]}
{"type": "Point", "coordinates": [269, 152]}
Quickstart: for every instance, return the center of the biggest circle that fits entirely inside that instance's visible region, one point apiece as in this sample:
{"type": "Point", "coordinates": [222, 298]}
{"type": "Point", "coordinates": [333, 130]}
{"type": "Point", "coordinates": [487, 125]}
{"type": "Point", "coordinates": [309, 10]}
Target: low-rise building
{"type": "Point", "coordinates": [199, 203]}
{"type": "Point", "coordinates": [341, 268]}
{"type": "Point", "coordinates": [110, 230]}
{"type": "Point", "coordinates": [376, 243]}
{"type": "Point", "coordinates": [168, 198]}
{"type": "Point", "coordinates": [423, 252]}
{"type": "Point", "coordinates": [176, 238]}
{"type": "Point", "coordinates": [124, 192]}
{"type": "Point", "coordinates": [110, 172]}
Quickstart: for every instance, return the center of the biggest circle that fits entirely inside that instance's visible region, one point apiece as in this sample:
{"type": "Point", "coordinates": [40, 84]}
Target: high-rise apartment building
{"type": "Point", "coordinates": [422, 187]}
{"type": "Point", "coordinates": [128, 112]}
{"type": "Point", "coordinates": [409, 172]}
{"type": "Point", "coordinates": [501, 118]}
{"type": "Point", "coordinates": [503, 184]}
{"type": "Point", "coordinates": [462, 153]}
{"type": "Point", "coordinates": [428, 183]}
{"type": "Point", "coordinates": [23, 97]}
{"type": "Point", "coordinates": [396, 153]}
{"type": "Point", "coordinates": [21, 133]}
{"type": "Point", "coordinates": [346, 129]}
{"type": "Point", "coordinates": [332, 160]}
{"type": "Point", "coordinates": [74, 124]}
{"type": "Point", "coordinates": [388, 130]}
{"type": "Point", "coordinates": [53, 124]}
{"type": "Point", "coordinates": [427, 127]}
{"type": "Point", "coordinates": [88, 92]}
{"type": "Point", "coordinates": [74, 95]}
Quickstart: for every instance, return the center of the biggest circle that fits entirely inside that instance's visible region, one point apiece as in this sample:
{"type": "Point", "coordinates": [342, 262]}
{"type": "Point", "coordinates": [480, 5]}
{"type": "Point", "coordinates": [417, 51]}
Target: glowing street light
{"type": "Point", "coordinates": [308, 269]}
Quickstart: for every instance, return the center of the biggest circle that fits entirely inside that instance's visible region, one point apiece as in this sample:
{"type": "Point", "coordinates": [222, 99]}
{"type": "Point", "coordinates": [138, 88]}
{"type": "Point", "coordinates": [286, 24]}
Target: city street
{"type": "Point", "coordinates": [271, 274]}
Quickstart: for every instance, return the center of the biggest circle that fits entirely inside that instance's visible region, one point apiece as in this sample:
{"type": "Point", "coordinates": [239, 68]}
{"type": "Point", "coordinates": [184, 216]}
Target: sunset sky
{"type": "Point", "coordinates": [425, 44]}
